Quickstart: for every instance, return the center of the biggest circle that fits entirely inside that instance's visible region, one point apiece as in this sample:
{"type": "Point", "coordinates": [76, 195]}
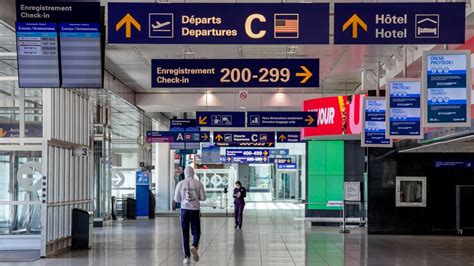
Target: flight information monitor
{"type": "Point", "coordinates": [81, 59]}
{"type": "Point", "coordinates": [37, 45]}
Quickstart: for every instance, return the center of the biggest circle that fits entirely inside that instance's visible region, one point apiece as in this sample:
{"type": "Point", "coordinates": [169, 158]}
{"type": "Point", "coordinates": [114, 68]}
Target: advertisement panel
{"type": "Point", "coordinates": [375, 126]}
{"type": "Point", "coordinates": [404, 109]}
{"type": "Point", "coordinates": [447, 88]}
{"type": "Point", "coordinates": [340, 115]}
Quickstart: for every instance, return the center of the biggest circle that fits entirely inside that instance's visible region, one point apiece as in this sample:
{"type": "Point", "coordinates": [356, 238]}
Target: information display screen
{"type": "Point", "coordinates": [81, 55]}
{"type": "Point", "coordinates": [37, 45]}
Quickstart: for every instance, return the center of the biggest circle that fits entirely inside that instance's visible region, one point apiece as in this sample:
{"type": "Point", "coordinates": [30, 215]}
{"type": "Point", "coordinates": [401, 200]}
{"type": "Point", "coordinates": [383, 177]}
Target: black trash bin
{"type": "Point", "coordinates": [151, 205]}
{"type": "Point", "coordinates": [81, 231]}
{"type": "Point", "coordinates": [131, 209]}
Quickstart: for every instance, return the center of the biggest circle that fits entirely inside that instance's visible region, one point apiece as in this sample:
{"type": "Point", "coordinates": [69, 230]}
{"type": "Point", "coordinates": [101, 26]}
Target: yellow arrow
{"type": "Point", "coordinates": [205, 136]}
{"type": "Point", "coordinates": [128, 21]}
{"type": "Point", "coordinates": [219, 137]}
{"type": "Point", "coordinates": [3, 132]}
{"type": "Point", "coordinates": [229, 159]}
{"type": "Point", "coordinates": [288, 161]}
{"type": "Point", "coordinates": [265, 153]}
{"type": "Point", "coordinates": [310, 120]}
{"type": "Point", "coordinates": [354, 21]}
{"type": "Point", "coordinates": [282, 137]}
{"type": "Point", "coordinates": [269, 144]}
{"type": "Point", "coordinates": [202, 120]}
{"type": "Point", "coordinates": [265, 159]}
{"type": "Point", "coordinates": [306, 74]}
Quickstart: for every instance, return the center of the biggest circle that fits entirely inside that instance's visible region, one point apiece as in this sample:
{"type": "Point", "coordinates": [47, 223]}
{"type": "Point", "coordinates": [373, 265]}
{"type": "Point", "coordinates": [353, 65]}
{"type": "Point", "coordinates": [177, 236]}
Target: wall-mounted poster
{"type": "Point", "coordinates": [373, 123]}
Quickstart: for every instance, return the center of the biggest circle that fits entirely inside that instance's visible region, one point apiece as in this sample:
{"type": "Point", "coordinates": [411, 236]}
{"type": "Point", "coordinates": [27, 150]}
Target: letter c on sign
{"type": "Point", "coordinates": [248, 26]}
{"type": "Point", "coordinates": [254, 137]}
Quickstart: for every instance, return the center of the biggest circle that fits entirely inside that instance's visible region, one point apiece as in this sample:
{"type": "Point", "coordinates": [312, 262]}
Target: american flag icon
{"type": "Point", "coordinates": [286, 26]}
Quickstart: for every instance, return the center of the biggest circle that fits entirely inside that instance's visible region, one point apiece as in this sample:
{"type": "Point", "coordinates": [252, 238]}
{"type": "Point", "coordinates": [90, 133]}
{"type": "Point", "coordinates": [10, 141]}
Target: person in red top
{"type": "Point", "coordinates": [239, 202]}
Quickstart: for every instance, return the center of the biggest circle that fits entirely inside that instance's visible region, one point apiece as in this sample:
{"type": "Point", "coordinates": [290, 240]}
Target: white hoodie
{"type": "Point", "coordinates": [189, 191]}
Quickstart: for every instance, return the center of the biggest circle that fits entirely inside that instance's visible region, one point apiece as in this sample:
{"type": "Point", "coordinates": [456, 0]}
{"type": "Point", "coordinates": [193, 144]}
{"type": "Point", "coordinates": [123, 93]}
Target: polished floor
{"type": "Point", "coordinates": [269, 237]}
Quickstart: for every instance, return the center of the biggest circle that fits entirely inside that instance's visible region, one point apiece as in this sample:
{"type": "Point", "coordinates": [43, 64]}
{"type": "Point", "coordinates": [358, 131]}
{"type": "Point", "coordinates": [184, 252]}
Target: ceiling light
{"type": "Point", "coordinates": [8, 78]}
{"type": "Point", "coordinates": [243, 107]}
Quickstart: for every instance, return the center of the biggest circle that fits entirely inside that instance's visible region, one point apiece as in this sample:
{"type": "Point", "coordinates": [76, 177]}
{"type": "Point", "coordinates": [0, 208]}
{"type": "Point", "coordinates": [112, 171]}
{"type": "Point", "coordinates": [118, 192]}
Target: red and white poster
{"type": "Point", "coordinates": [339, 115]}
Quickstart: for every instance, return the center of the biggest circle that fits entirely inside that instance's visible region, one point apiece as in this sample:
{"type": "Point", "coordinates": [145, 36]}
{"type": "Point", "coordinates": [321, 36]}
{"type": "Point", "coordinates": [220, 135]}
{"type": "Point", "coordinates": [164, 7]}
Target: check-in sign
{"type": "Point", "coordinates": [218, 23]}
{"type": "Point", "coordinates": [229, 73]}
{"type": "Point", "coordinates": [399, 23]}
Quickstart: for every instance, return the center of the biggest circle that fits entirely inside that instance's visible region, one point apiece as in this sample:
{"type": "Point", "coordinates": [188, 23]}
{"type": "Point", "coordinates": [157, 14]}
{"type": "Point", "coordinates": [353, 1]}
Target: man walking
{"type": "Point", "coordinates": [189, 192]}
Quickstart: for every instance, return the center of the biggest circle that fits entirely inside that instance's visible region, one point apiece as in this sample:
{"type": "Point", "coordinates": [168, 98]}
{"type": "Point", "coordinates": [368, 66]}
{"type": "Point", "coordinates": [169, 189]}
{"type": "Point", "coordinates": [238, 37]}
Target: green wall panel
{"type": "Point", "coordinates": [325, 173]}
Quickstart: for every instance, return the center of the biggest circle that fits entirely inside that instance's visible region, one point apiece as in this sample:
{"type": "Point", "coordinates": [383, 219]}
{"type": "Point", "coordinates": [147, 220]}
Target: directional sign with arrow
{"type": "Point", "coordinates": [282, 119]}
{"type": "Point", "coordinates": [235, 73]}
{"type": "Point", "coordinates": [128, 21]}
{"type": "Point", "coordinates": [289, 136]}
{"type": "Point", "coordinates": [220, 119]}
{"type": "Point", "coordinates": [177, 136]}
{"type": "Point", "coordinates": [244, 139]}
{"type": "Point", "coordinates": [399, 23]}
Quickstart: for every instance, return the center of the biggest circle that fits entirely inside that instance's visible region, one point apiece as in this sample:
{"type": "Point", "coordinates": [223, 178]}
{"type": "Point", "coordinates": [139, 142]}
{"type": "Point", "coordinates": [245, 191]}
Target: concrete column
{"type": "Point", "coordinates": [163, 176]}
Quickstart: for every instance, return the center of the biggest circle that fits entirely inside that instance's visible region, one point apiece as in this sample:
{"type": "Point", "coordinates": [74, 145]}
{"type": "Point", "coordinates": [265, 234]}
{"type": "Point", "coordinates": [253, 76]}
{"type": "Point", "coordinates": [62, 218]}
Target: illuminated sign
{"type": "Point", "coordinates": [231, 73]}
{"type": "Point", "coordinates": [218, 23]}
{"type": "Point", "coordinates": [340, 115]}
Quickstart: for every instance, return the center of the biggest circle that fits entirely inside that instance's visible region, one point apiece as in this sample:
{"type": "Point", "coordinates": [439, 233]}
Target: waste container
{"type": "Point", "coordinates": [131, 213]}
{"type": "Point", "coordinates": [151, 205]}
{"type": "Point", "coordinates": [81, 231]}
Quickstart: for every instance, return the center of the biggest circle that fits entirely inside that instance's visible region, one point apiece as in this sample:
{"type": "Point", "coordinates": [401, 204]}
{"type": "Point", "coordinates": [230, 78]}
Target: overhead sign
{"type": "Point", "coordinates": [247, 156]}
{"type": "Point", "coordinates": [81, 57]}
{"type": "Point", "coordinates": [218, 23]}
{"type": "Point", "coordinates": [56, 10]}
{"type": "Point", "coordinates": [288, 136]}
{"type": "Point", "coordinates": [282, 119]}
{"type": "Point", "coordinates": [182, 123]}
{"type": "Point", "coordinates": [404, 109]}
{"type": "Point", "coordinates": [447, 88]}
{"type": "Point", "coordinates": [263, 153]}
{"type": "Point", "coordinates": [244, 139]}
{"type": "Point", "coordinates": [176, 136]}
{"type": "Point", "coordinates": [287, 166]}
{"type": "Point", "coordinates": [340, 115]}
{"type": "Point", "coordinates": [231, 73]}
{"type": "Point", "coordinates": [280, 160]}
{"type": "Point", "coordinates": [399, 23]}
{"type": "Point", "coordinates": [283, 152]}
{"type": "Point", "coordinates": [38, 62]}
{"type": "Point", "coordinates": [375, 126]}
{"type": "Point", "coordinates": [220, 119]}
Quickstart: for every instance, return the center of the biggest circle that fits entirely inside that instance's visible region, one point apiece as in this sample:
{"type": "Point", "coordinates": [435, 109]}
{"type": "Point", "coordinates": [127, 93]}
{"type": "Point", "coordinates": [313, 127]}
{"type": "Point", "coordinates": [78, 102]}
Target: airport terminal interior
{"type": "Point", "coordinates": [282, 132]}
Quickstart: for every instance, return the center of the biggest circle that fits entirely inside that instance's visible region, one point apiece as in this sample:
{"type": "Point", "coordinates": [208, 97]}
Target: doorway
{"type": "Point", "coordinates": [286, 186]}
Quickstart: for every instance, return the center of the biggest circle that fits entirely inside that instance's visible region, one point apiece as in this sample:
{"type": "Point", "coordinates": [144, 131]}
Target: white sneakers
{"type": "Point", "coordinates": [186, 260]}
{"type": "Point", "coordinates": [194, 251]}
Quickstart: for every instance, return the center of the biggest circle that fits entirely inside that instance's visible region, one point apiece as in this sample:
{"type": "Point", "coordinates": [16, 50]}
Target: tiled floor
{"type": "Point", "coordinates": [269, 237]}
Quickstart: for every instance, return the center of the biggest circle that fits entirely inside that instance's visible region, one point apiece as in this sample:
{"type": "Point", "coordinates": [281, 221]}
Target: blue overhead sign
{"type": "Point", "coordinates": [247, 156]}
{"type": "Point", "coordinates": [231, 73]}
{"type": "Point", "coordinates": [404, 109]}
{"type": "Point", "coordinates": [289, 136]}
{"type": "Point", "coordinates": [244, 139]}
{"type": "Point", "coordinates": [275, 152]}
{"type": "Point", "coordinates": [447, 88]}
{"type": "Point", "coordinates": [176, 136]}
{"type": "Point", "coordinates": [57, 10]}
{"type": "Point", "coordinates": [220, 119]}
{"type": "Point", "coordinates": [218, 23]}
{"type": "Point", "coordinates": [287, 166]}
{"type": "Point", "coordinates": [282, 119]}
{"type": "Point", "coordinates": [399, 23]}
{"type": "Point", "coordinates": [374, 123]}
{"type": "Point", "coordinates": [280, 160]}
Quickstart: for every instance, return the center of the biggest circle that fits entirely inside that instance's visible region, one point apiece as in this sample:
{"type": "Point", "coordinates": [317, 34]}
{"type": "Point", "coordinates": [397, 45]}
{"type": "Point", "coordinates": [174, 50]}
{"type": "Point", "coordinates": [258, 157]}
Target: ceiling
{"type": "Point", "coordinates": [458, 145]}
